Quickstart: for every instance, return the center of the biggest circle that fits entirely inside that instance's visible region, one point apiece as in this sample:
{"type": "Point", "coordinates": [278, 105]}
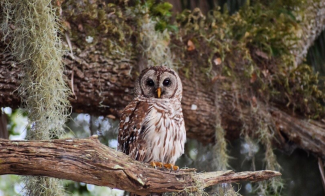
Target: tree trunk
{"type": "Point", "coordinates": [89, 161]}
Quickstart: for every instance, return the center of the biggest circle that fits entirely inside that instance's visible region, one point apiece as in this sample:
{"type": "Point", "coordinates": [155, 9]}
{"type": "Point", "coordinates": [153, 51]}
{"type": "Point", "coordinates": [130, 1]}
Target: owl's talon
{"type": "Point", "coordinates": [171, 167]}
{"type": "Point", "coordinates": [156, 164]}
{"type": "Point", "coordinates": [168, 166]}
{"type": "Point", "coordinates": [175, 168]}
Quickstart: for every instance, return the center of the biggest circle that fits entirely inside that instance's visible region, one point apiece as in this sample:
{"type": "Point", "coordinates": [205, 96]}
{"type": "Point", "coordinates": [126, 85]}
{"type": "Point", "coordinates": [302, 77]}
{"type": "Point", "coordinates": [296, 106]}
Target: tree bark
{"type": "Point", "coordinates": [313, 23]}
{"type": "Point", "coordinates": [3, 126]}
{"type": "Point", "coordinates": [89, 161]}
{"type": "Point", "coordinates": [103, 85]}
{"type": "Point", "coordinates": [306, 134]}
{"type": "Point", "coordinates": [96, 93]}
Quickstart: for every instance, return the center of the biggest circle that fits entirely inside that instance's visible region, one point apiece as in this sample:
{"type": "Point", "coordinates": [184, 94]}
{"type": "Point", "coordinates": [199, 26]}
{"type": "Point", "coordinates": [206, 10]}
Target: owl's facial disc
{"type": "Point", "coordinates": [167, 84]}
{"type": "Point", "coordinates": [155, 84]}
{"type": "Point", "coordinates": [149, 84]}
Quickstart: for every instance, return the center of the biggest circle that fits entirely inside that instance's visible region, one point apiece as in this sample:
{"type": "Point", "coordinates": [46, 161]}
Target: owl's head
{"type": "Point", "coordinates": [159, 82]}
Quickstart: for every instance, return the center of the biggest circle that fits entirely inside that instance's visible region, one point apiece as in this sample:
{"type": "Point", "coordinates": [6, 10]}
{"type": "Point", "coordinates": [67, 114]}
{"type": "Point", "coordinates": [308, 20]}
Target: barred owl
{"type": "Point", "coordinates": [152, 128]}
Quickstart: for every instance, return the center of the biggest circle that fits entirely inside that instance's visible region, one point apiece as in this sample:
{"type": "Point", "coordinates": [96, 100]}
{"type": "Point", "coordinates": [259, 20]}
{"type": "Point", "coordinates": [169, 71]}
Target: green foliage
{"type": "Point", "coordinates": [111, 28]}
{"type": "Point", "coordinates": [300, 88]}
{"type": "Point", "coordinates": [107, 29]}
{"type": "Point", "coordinates": [9, 185]}
{"type": "Point", "coordinates": [258, 39]}
{"type": "Point", "coordinates": [267, 28]}
{"type": "Point", "coordinates": [161, 14]}
{"type": "Point", "coordinates": [14, 121]}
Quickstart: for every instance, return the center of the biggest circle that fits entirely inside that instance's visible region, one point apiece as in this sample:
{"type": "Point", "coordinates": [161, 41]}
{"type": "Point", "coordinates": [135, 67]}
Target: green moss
{"type": "Point", "coordinates": [254, 47]}
{"type": "Point", "coordinates": [115, 31]}
{"type": "Point", "coordinates": [108, 27]}
{"type": "Point", "coordinates": [301, 91]}
{"type": "Point", "coordinates": [160, 14]}
{"type": "Point", "coordinates": [258, 40]}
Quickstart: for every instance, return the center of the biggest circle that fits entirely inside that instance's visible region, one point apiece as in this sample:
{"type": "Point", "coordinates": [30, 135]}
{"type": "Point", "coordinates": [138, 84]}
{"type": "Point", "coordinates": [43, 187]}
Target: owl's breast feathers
{"type": "Point", "coordinates": [152, 130]}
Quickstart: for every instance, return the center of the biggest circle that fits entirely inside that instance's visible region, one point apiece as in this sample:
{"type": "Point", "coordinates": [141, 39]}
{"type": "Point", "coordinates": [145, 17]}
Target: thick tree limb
{"type": "Point", "coordinates": [100, 89]}
{"type": "Point", "coordinates": [87, 160]}
{"type": "Point", "coordinates": [307, 134]}
{"type": "Point", "coordinates": [102, 85]}
{"type": "Point", "coordinates": [312, 26]}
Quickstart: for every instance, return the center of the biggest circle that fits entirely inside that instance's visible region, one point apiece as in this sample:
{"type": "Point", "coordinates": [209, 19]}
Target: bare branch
{"type": "Point", "coordinates": [89, 161]}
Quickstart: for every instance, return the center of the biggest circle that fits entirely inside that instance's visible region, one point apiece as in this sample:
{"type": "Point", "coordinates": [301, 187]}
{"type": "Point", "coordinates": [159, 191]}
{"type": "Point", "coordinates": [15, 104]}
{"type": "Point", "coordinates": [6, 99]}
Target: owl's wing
{"type": "Point", "coordinates": [129, 140]}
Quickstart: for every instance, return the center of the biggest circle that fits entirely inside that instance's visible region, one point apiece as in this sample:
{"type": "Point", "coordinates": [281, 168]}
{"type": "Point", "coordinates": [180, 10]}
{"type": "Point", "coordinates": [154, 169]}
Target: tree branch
{"type": "Point", "coordinates": [89, 161]}
{"type": "Point", "coordinates": [312, 26]}
{"type": "Point", "coordinates": [306, 134]}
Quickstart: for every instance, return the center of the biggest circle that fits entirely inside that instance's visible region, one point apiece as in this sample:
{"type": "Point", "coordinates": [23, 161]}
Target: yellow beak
{"type": "Point", "coordinates": [159, 92]}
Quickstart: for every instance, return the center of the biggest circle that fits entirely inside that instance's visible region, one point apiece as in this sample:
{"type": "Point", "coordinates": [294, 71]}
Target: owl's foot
{"type": "Point", "coordinates": [171, 166]}
{"type": "Point", "coordinates": [156, 164]}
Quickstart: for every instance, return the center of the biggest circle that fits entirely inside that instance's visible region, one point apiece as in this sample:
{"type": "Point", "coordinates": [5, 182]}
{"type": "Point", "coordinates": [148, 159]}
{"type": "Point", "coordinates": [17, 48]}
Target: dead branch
{"type": "Point", "coordinates": [89, 161]}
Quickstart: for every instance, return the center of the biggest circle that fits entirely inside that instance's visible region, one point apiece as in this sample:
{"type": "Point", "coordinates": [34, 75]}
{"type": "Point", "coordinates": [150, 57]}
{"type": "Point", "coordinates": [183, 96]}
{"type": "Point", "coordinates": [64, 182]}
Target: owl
{"type": "Point", "coordinates": [152, 128]}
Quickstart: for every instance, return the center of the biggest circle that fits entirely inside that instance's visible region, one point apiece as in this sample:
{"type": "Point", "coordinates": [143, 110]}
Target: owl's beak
{"type": "Point", "coordinates": [159, 92]}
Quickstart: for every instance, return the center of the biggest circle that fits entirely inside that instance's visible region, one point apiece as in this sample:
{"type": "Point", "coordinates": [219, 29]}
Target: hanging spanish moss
{"type": "Point", "coordinates": [37, 47]}
{"type": "Point", "coordinates": [275, 185]}
{"type": "Point", "coordinates": [154, 44]}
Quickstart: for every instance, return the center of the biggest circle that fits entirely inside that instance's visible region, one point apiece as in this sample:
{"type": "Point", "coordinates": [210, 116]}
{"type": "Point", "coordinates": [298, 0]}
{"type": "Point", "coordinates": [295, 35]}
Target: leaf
{"type": "Point", "coordinates": [217, 61]}
{"type": "Point", "coordinates": [190, 45]}
{"type": "Point", "coordinates": [253, 77]}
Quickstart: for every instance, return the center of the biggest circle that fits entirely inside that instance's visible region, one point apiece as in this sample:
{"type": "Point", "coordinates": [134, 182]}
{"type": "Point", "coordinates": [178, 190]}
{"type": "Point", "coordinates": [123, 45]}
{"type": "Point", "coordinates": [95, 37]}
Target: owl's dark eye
{"type": "Point", "coordinates": [150, 82]}
{"type": "Point", "coordinates": [167, 82]}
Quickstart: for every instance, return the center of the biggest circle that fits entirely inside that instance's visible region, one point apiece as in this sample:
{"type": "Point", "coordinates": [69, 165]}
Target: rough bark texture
{"type": "Point", "coordinates": [3, 126]}
{"type": "Point", "coordinates": [89, 161]}
{"type": "Point", "coordinates": [313, 24]}
{"type": "Point", "coordinates": [306, 134]}
{"type": "Point", "coordinates": [10, 74]}
{"type": "Point", "coordinates": [103, 86]}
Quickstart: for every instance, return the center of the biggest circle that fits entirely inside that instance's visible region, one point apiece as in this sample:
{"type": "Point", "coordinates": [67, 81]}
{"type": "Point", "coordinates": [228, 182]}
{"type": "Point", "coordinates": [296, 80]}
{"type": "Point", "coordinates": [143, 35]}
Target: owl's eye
{"type": "Point", "coordinates": [150, 82]}
{"type": "Point", "coordinates": [167, 82]}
